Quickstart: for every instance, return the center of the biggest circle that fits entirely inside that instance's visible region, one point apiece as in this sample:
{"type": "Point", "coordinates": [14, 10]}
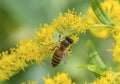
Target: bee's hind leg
{"type": "Point", "coordinates": [57, 45]}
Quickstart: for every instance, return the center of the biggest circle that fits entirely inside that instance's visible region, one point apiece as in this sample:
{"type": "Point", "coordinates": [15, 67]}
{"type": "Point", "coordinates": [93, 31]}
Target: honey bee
{"type": "Point", "coordinates": [61, 51]}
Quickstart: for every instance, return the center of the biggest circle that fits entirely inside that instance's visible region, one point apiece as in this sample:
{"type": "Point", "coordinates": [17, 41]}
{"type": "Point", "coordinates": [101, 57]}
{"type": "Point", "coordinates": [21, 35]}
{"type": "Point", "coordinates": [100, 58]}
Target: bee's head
{"type": "Point", "coordinates": [65, 43]}
{"type": "Point", "coordinates": [69, 39]}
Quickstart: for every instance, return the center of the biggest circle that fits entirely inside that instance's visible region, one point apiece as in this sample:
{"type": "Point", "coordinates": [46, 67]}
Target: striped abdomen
{"type": "Point", "coordinates": [57, 57]}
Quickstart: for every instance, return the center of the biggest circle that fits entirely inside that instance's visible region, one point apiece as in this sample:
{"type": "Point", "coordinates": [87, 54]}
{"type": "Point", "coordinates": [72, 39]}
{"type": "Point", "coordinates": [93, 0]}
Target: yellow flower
{"type": "Point", "coordinates": [60, 78]}
{"type": "Point", "coordinates": [111, 7]}
{"type": "Point", "coordinates": [26, 53]}
{"type": "Point", "coordinates": [32, 51]}
{"type": "Point", "coordinates": [108, 78]}
{"type": "Point", "coordinates": [116, 35]}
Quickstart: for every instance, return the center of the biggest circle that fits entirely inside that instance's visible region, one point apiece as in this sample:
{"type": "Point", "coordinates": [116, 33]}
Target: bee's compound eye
{"type": "Point", "coordinates": [69, 39]}
{"type": "Point", "coordinates": [65, 43]}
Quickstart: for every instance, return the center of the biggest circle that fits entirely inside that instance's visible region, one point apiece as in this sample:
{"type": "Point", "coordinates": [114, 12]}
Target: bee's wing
{"type": "Point", "coordinates": [65, 57]}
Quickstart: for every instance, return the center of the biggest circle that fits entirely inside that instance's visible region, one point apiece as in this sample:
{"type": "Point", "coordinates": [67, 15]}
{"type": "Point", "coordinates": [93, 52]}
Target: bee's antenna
{"type": "Point", "coordinates": [59, 37]}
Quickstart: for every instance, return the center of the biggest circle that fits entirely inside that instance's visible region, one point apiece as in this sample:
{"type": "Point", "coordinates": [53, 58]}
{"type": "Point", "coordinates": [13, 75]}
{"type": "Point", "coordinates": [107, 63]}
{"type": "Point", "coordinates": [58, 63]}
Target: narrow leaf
{"type": "Point", "coordinates": [93, 68]}
{"type": "Point", "coordinates": [100, 13]}
{"type": "Point", "coordinates": [94, 56]}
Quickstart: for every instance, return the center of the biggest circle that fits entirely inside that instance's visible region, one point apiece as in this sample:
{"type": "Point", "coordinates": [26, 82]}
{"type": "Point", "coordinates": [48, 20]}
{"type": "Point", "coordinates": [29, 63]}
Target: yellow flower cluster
{"type": "Point", "coordinates": [116, 35]}
{"type": "Point", "coordinates": [108, 78]}
{"type": "Point", "coordinates": [32, 51]}
{"type": "Point", "coordinates": [60, 78]}
{"type": "Point", "coordinates": [26, 53]}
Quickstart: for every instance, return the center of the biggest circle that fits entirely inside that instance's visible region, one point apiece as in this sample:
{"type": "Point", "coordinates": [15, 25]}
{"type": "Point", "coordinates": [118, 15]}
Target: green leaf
{"type": "Point", "coordinates": [100, 13]}
{"type": "Point", "coordinates": [93, 68]}
{"type": "Point", "coordinates": [119, 1]}
{"type": "Point", "coordinates": [94, 57]}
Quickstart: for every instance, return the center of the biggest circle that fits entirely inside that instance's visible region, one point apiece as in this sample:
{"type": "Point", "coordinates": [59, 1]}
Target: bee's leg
{"type": "Point", "coordinates": [65, 55]}
{"type": "Point", "coordinates": [54, 48]}
{"type": "Point", "coordinates": [57, 46]}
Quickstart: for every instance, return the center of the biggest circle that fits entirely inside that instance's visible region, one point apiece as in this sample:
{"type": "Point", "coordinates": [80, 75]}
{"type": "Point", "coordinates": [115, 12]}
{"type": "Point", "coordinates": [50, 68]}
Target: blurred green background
{"type": "Point", "coordinates": [19, 19]}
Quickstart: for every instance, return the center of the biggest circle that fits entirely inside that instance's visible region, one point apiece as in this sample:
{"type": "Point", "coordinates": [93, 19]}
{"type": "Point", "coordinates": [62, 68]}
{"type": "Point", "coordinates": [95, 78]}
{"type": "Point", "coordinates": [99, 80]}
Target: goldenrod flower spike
{"type": "Point", "coordinates": [37, 49]}
{"type": "Point", "coordinates": [108, 78]}
{"type": "Point", "coordinates": [26, 53]}
{"type": "Point", "coordinates": [60, 78]}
